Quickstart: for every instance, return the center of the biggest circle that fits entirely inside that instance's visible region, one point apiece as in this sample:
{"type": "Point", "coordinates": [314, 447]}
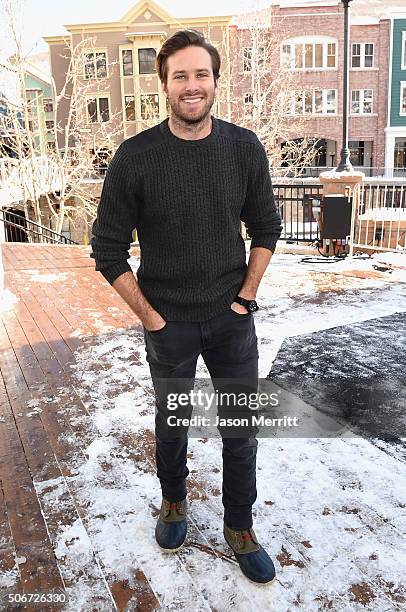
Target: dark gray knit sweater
{"type": "Point", "coordinates": [186, 199]}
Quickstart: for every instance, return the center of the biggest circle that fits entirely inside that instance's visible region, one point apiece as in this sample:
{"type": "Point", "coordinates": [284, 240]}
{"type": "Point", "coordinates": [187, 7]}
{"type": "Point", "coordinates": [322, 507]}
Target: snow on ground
{"type": "Point", "coordinates": [329, 511]}
{"type": "Point", "coordinates": [49, 278]}
{"type": "Point", "coordinates": [7, 300]}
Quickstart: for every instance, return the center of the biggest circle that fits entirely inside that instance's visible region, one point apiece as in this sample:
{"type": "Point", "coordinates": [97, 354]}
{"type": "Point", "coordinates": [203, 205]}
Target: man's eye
{"type": "Point", "coordinates": [180, 76]}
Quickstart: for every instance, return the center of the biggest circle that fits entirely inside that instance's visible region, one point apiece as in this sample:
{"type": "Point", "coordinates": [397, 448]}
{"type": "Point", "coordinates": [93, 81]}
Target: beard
{"type": "Point", "coordinates": [191, 117]}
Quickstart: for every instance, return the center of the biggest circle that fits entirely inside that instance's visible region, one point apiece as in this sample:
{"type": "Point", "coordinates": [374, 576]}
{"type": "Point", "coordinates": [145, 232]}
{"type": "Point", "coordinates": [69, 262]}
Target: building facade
{"type": "Point", "coordinates": [119, 73]}
{"type": "Point", "coordinates": [311, 45]}
{"type": "Point", "coordinates": [123, 89]}
{"type": "Point", "coordinates": [395, 132]}
{"type": "Point", "coordinates": [40, 107]}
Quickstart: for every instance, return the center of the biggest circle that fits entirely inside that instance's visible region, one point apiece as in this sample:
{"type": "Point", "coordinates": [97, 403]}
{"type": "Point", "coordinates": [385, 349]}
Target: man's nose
{"type": "Point", "coordinates": [192, 84]}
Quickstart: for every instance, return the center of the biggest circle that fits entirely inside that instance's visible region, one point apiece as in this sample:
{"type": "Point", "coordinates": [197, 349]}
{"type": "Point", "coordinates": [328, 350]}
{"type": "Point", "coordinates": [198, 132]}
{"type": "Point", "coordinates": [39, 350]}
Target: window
{"type": "Point", "coordinates": [331, 101]}
{"type": "Point", "coordinates": [356, 56]}
{"type": "Point", "coordinates": [400, 153]}
{"type": "Point", "coordinates": [96, 65]}
{"type": "Point", "coordinates": [403, 98]}
{"type": "Point", "coordinates": [286, 54]}
{"type": "Point", "coordinates": [129, 102]}
{"type": "Point", "coordinates": [362, 55]}
{"type": "Point", "coordinates": [48, 105]}
{"type": "Point", "coordinates": [127, 62]}
{"type": "Point", "coordinates": [103, 109]}
{"type": "Point", "coordinates": [369, 55]}
{"type": "Point", "coordinates": [149, 106]}
{"type": "Point", "coordinates": [361, 101]}
{"type": "Point", "coordinates": [331, 55]}
{"type": "Point", "coordinates": [92, 110]}
{"type": "Point", "coordinates": [298, 61]}
{"type": "Point", "coordinates": [248, 103]}
{"type": "Point", "coordinates": [309, 55]}
{"type": "Point", "coordinates": [247, 59]}
{"type": "Point", "coordinates": [49, 125]}
{"type": "Point", "coordinates": [146, 61]}
{"type": "Point", "coordinates": [403, 65]}
{"type": "Point", "coordinates": [318, 56]}
{"type": "Point", "coordinates": [318, 102]}
{"type": "Point", "coordinates": [357, 149]}
{"type": "Point", "coordinates": [355, 101]}
{"type": "Point", "coordinates": [308, 102]}
{"type": "Point", "coordinates": [98, 109]}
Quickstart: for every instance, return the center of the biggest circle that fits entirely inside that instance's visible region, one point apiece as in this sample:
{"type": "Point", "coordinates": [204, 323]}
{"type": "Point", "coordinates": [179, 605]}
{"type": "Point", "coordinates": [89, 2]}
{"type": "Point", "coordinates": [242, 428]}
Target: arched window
{"type": "Point", "coordinates": [310, 53]}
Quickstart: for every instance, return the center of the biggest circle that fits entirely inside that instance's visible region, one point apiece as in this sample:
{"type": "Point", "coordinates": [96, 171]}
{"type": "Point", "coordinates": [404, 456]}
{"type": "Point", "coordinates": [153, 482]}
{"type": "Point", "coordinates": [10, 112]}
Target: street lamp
{"type": "Point", "coordinates": [345, 164]}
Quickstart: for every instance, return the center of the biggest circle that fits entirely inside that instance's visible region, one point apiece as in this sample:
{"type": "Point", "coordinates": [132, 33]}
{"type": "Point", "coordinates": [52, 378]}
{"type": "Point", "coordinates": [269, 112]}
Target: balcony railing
{"type": "Point", "coordinates": [19, 229]}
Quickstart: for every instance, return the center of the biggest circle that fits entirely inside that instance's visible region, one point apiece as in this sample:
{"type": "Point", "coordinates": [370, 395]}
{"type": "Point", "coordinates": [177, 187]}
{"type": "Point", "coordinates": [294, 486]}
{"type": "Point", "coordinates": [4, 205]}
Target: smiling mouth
{"type": "Point", "coordinates": [192, 101]}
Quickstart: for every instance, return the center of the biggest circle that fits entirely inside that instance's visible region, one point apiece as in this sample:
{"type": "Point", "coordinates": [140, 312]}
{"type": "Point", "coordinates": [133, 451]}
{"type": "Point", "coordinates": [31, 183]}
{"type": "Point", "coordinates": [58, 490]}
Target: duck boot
{"type": "Point", "coordinates": [254, 561]}
{"type": "Point", "coordinates": [170, 530]}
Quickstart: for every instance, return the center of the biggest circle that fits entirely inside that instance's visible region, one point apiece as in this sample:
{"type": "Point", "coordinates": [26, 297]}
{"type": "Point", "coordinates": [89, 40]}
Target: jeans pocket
{"type": "Point", "coordinates": [244, 315]}
{"type": "Point", "coordinates": [157, 331]}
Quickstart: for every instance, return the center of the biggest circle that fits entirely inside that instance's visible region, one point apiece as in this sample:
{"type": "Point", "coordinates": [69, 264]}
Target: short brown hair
{"type": "Point", "coordinates": [180, 40]}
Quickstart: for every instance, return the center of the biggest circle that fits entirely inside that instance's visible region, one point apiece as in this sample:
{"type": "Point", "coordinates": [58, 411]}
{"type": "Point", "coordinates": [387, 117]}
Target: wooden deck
{"type": "Point", "coordinates": [62, 307]}
{"type": "Point", "coordinates": [38, 338]}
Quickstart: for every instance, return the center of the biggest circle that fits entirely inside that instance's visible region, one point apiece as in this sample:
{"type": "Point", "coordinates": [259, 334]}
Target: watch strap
{"type": "Point", "coordinates": [246, 303]}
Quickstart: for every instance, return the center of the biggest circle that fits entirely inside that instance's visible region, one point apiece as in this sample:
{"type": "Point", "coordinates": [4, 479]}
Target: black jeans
{"type": "Point", "coordinates": [228, 345]}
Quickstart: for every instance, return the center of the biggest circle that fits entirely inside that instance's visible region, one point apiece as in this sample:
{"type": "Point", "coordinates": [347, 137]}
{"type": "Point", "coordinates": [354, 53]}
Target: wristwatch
{"type": "Point", "coordinates": [250, 305]}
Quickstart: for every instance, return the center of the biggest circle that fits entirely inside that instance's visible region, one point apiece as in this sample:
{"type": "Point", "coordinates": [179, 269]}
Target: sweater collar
{"type": "Point", "coordinates": [164, 127]}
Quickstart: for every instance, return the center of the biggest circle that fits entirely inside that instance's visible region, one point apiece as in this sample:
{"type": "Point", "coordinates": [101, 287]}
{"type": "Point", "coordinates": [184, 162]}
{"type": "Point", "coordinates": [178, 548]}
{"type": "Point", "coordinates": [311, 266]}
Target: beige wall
{"type": "Point", "coordinates": [59, 55]}
{"type": "Point", "coordinates": [116, 86]}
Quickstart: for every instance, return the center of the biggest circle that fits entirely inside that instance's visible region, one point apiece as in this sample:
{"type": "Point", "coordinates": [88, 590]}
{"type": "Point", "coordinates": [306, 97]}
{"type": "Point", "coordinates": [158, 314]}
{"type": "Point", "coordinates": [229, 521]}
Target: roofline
{"type": "Point", "coordinates": [119, 26]}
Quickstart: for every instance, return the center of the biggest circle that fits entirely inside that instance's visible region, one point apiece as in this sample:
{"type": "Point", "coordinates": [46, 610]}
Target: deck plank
{"type": "Point", "coordinates": [37, 564]}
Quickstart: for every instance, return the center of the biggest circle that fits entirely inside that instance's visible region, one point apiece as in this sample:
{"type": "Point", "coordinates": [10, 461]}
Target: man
{"type": "Point", "coordinates": [185, 184]}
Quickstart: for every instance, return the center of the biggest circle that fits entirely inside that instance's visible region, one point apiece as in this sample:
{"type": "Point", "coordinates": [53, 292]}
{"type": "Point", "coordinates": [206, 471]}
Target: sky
{"type": "Point", "coordinates": [53, 15]}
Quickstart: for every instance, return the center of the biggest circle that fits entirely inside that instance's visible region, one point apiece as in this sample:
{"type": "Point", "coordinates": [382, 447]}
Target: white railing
{"type": "Point", "coordinates": [379, 217]}
{"type": "Point", "coordinates": [315, 171]}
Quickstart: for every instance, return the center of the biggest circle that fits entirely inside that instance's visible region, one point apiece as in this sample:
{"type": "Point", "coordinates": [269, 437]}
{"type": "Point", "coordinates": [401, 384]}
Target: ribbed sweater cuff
{"type": "Point", "coordinates": [116, 270]}
{"type": "Point", "coordinates": [267, 242]}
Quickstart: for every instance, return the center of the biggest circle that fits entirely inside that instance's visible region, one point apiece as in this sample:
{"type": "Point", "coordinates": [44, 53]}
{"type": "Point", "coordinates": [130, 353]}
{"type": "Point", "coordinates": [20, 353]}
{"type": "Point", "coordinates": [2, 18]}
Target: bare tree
{"type": "Point", "coordinates": [63, 182]}
{"type": "Point", "coordinates": [256, 91]}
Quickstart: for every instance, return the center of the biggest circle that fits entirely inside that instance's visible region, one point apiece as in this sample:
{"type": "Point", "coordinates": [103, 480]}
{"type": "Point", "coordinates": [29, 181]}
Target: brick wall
{"type": "Point", "coordinates": [328, 21]}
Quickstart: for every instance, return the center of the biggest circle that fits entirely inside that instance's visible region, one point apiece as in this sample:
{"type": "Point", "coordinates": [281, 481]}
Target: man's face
{"type": "Point", "coordinates": [190, 84]}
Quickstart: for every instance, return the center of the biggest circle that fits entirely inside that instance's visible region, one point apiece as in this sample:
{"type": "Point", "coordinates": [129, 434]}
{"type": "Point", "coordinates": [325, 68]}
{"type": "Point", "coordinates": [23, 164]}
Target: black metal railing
{"type": "Point", "coordinates": [299, 205]}
{"type": "Point", "coordinates": [19, 229]}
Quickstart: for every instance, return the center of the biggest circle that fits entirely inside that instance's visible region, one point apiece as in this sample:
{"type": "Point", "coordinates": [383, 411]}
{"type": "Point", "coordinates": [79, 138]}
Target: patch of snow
{"type": "Point", "coordinates": [7, 300]}
{"type": "Point", "coordinates": [49, 278]}
{"type": "Point", "coordinates": [9, 578]}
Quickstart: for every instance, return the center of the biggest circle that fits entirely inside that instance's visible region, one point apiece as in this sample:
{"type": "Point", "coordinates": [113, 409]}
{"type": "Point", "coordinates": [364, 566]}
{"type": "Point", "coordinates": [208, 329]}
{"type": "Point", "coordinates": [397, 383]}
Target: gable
{"type": "Point", "coordinates": [146, 11]}
{"type": "Point", "coordinates": [146, 17]}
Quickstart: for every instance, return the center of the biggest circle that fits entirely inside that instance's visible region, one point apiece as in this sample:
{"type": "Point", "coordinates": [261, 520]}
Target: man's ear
{"type": "Point", "coordinates": [164, 88]}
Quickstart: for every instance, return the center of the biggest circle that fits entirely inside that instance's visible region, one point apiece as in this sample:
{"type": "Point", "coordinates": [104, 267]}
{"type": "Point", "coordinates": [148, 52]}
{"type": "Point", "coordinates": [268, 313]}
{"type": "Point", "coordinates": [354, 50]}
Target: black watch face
{"type": "Point", "coordinates": [252, 306]}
